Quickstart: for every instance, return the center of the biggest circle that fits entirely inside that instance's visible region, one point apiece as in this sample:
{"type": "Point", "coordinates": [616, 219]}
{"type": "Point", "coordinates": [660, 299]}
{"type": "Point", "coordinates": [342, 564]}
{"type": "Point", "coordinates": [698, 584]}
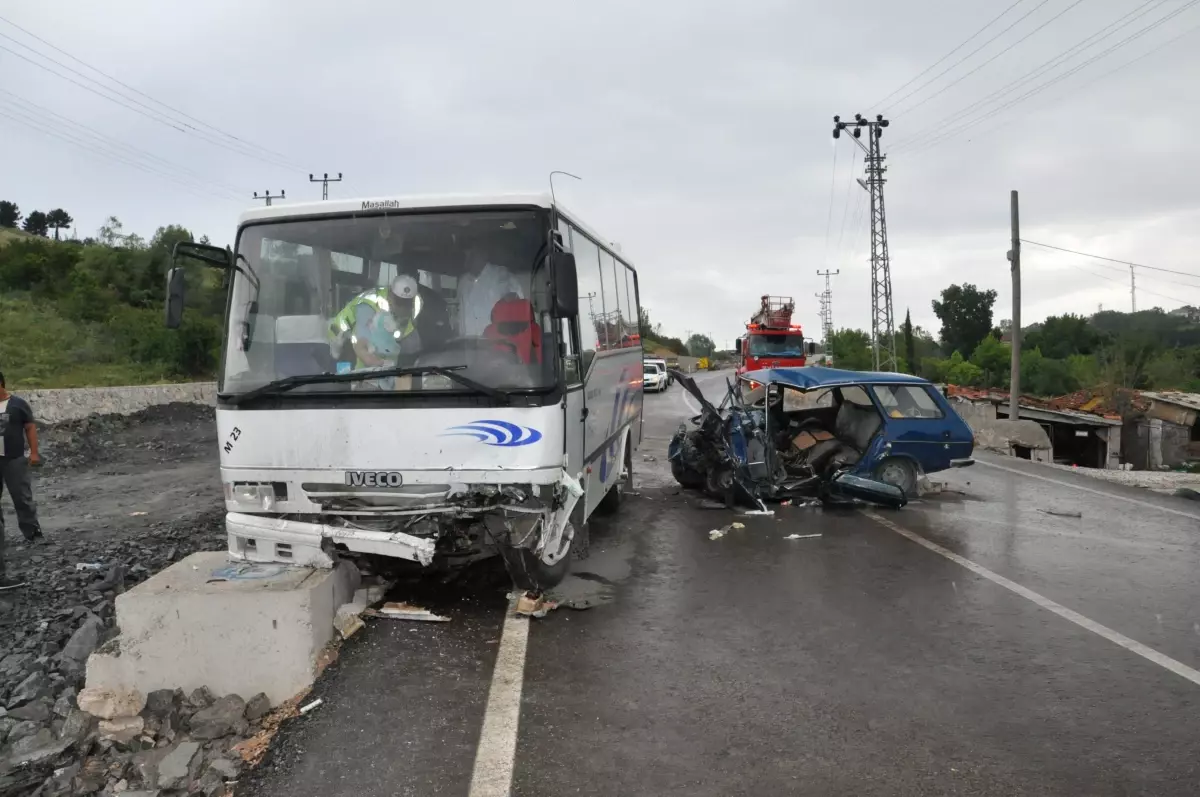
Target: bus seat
{"type": "Point", "coordinates": [302, 345]}
{"type": "Point", "coordinates": [513, 321]}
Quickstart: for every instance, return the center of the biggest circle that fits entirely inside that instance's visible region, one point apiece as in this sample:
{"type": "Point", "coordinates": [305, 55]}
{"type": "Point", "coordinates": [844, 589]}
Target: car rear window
{"type": "Point", "coordinates": [907, 401]}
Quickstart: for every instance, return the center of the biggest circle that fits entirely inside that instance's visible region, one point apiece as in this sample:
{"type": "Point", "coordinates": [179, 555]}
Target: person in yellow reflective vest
{"type": "Point", "coordinates": [378, 324]}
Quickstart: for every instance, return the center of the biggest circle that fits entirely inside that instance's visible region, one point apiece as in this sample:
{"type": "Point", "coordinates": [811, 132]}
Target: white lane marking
{"type": "Point", "coordinates": [1088, 490]}
{"type": "Point", "coordinates": [691, 404]}
{"type": "Point", "coordinates": [1132, 645]}
{"type": "Point", "coordinates": [495, 756]}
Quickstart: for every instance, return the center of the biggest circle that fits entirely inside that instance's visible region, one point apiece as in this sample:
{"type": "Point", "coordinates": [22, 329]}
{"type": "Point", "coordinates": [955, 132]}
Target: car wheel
{"type": "Point", "coordinates": [898, 472]}
{"type": "Point", "coordinates": [718, 482]}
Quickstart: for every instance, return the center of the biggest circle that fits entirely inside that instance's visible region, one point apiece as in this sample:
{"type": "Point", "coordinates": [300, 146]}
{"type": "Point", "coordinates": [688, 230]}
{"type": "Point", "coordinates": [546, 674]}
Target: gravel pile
{"type": "Point", "coordinates": [165, 743]}
{"type": "Point", "coordinates": [166, 432]}
{"type": "Point", "coordinates": [49, 627]}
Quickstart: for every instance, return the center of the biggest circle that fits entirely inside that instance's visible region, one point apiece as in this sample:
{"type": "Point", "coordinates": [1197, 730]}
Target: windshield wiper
{"type": "Point", "coordinates": [287, 383]}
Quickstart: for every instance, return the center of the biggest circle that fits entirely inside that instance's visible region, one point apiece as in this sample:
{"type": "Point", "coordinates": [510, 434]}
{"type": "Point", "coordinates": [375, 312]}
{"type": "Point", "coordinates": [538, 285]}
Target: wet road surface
{"type": "Point", "coordinates": [970, 643]}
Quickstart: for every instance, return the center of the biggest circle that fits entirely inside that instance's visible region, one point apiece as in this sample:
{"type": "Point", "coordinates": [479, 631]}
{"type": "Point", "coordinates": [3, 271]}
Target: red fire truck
{"type": "Point", "coordinates": [771, 339]}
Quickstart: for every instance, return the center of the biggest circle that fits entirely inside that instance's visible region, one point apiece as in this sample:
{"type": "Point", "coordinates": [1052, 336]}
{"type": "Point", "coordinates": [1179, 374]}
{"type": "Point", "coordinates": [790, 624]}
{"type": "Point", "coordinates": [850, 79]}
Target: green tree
{"type": "Point", "coordinates": [36, 224]}
{"type": "Point", "coordinates": [700, 345]}
{"type": "Point", "coordinates": [910, 345]}
{"type": "Point", "coordinates": [1060, 336]}
{"type": "Point", "coordinates": [994, 359]}
{"type": "Point", "coordinates": [851, 349]}
{"type": "Point", "coordinates": [966, 316]}
{"type": "Point", "coordinates": [111, 232]}
{"type": "Point", "coordinates": [962, 372]}
{"type": "Point", "coordinates": [10, 214]}
{"type": "Point", "coordinates": [58, 219]}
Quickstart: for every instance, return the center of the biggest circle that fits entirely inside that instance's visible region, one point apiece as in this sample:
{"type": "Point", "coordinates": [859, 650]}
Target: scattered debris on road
{"type": "Point", "coordinates": [802, 536]}
{"type": "Point", "coordinates": [407, 611]}
{"type": "Point", "coordinates": [307, 708]}
{"type": "Point", "coordinates": [1062, 513]}
{"type": "Point", "coordinates": [717, 534]}
{"type": "Point", "coordinates": [531, 604]}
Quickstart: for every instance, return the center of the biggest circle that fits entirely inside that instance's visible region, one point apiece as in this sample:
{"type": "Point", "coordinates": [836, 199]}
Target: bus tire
{"type": "Point", "coordinates": [611, 502]}
{"type": "Point", "coordinates": [529, 573]}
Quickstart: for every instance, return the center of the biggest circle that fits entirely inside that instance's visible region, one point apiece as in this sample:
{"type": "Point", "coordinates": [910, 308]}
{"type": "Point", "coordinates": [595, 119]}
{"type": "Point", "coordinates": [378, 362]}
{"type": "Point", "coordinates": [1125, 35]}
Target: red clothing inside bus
{"type": "Point", "coordinates": [513, 321]}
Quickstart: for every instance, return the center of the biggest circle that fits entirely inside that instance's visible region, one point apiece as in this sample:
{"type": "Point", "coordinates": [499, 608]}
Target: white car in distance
{"type": "Point", "coordinates": [654, 378]}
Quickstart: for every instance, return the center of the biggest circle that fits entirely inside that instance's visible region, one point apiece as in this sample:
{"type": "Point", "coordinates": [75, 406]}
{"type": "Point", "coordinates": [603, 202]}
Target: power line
{"type": "Point", "coordinates": [1043, 86]}
{"type": "Point", "coordinates": [144, 110]}
{"type": "Point", "coordinates": [136, 91]}
{"type": "Point", "coordinates": [1109, 259]}
{"type": "Point", "coordinates": [1120, 282]}
{"type": "Point", "coordinates": [947, 55]}
{"type": "Point", "coordinates": [968, 55]}
{"type": "Point", "coordinates": [51, 117]}
{"type": "Point", "coordinates": [193, 188]}
{"type": "Point", "coordinates": [954, 83]}
{"type": "Point", "coordinates": [829, 218]}
{"type": "Point", "coordinates": [846, 204]}
{"type": "Point", "coordinates": [1079, 88]}
{"type": "Point", "coordinates": [1042, 68]}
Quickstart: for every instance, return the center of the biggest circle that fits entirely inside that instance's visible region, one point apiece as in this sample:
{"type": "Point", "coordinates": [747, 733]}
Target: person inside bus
{"type": "Point", "coordinates": [433, 322]}
{"type": "Point", "coordinates": [377, 326]}
{"type": "Point", "coordinates": [482, 284]}
{"type": "Point", "coordinates": [515, 329]}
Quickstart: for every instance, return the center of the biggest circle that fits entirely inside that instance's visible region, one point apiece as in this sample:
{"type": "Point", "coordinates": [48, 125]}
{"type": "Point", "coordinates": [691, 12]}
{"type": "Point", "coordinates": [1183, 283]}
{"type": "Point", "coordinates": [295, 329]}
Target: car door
{"type": "Point", "coordinates": [915, 425]}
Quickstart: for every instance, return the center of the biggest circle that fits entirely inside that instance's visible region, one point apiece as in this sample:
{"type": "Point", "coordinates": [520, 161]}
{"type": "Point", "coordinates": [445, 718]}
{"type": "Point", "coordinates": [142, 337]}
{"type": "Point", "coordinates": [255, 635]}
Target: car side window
{"type": "Point", "coordinates": [907, 401]}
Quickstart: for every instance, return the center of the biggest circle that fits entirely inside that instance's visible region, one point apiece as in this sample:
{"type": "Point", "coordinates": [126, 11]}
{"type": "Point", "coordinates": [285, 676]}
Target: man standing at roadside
{"type": "Point", "coordinates": [17, 426]}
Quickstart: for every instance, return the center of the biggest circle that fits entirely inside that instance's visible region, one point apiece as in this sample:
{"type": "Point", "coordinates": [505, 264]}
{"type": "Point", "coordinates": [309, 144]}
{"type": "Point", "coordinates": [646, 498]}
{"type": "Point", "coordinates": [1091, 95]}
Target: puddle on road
{"type": "Point", "coordinates": [593, 581]}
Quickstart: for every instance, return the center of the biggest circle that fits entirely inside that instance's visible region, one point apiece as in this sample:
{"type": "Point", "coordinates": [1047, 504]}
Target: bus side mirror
{"type": "Point", "coordinates": [176, 288]}
{"type": "Point", "coordinates": [812, 347]}
{"type": "Point", "coordinates": [566, 284]}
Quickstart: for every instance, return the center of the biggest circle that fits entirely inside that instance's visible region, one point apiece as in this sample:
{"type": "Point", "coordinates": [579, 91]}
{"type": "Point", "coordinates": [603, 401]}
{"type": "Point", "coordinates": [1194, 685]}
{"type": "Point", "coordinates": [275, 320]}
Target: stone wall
{"type": "Point", "coordinates": [55, 406]}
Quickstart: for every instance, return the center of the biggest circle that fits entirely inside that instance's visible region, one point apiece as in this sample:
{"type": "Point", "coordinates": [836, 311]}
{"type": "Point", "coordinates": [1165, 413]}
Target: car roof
{"type": "Point", "coordinates": [815, 376]}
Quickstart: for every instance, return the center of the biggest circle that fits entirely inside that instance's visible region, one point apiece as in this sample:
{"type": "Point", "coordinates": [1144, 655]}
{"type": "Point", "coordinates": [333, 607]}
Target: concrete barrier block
{"type": "Point", "coordinates": [237, 628]}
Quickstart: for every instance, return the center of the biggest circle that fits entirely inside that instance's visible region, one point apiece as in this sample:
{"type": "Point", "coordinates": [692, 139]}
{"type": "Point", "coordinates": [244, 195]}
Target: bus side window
{"type": "Point", "coordinates": [571, 370]}
{"type": "Point", "coordinates": [591, 302]}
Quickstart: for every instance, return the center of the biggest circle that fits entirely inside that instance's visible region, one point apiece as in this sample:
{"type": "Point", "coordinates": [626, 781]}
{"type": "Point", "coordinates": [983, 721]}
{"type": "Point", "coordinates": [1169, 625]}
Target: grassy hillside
{"type": "Point", "coordinates": [9, 234]}
{"type": "Point", "coordinates": [83, 314]}
{"type": "Point", "coordinates": [42, 349]}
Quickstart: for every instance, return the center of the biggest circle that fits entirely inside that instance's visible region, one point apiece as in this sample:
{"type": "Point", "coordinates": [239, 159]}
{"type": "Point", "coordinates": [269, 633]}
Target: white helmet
{"type": "Point", "coordinates": [404, 287]}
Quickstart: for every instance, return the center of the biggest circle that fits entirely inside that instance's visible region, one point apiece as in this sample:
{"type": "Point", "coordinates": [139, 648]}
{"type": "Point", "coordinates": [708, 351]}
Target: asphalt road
{"type": "Point", "coordinates": [971, 643]}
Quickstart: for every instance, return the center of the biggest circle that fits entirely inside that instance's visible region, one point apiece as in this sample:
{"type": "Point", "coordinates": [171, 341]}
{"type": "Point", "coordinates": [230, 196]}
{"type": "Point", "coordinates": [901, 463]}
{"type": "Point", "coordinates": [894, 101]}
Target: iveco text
{"type": "Point", "coordinates": [429, 380]}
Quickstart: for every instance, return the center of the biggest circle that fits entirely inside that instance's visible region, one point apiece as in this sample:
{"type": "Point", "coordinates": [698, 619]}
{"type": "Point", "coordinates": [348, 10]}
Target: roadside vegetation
{"type": "Point", "coordinates": [82, 313]}
{"type": "Point", "coordinates": [1148, 350]}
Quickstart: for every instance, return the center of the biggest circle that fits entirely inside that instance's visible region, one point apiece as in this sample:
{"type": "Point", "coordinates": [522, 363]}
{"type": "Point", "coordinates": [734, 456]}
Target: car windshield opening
{"type": "Point", "coordinates": [351, 294]}
{"type": "Point", "coordinates": [782, 344]}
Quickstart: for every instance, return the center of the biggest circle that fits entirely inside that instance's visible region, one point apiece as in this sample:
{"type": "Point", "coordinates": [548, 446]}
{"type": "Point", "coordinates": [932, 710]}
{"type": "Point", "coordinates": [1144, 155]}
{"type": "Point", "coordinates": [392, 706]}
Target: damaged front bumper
{"type": "Point", "coordinates": [259, 538]}
{"type": "Point", "coordinates": [468, 524]}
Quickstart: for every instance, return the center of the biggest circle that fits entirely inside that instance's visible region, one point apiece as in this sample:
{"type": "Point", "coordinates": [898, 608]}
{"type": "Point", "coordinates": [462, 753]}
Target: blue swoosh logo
{"type": "Point", "coordinates": [496, 433]}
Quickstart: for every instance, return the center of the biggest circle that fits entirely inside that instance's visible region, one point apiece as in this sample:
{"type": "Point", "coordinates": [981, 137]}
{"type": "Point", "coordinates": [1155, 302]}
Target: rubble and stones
{"type": "Point", "coordinates": [98, 471]}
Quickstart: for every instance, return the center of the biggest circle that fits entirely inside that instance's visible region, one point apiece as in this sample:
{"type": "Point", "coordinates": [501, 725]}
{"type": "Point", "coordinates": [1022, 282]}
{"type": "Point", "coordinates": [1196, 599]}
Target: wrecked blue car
{"type": "Point", "coordinates": [822, 433]}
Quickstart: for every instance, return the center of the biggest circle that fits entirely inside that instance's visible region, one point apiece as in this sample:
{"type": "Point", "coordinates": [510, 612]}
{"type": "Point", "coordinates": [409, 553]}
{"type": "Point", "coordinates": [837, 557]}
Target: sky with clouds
{"type": "Point", "coordinates": [701, 130]}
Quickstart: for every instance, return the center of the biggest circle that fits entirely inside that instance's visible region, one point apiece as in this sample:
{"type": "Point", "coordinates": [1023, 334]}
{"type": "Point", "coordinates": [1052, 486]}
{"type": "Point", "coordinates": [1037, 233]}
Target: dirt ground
{"type": "Point", "coordinates": [137, 492]}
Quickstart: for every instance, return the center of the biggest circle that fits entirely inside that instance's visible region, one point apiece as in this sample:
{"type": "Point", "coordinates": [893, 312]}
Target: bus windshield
{"type": "Point", "coordinates": [464, 291]}
{"type": "Point", "coordinates": [783, 344]}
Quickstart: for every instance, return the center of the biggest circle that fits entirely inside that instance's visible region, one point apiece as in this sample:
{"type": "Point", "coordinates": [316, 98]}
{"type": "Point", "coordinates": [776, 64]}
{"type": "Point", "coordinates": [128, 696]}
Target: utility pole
{"type": "Point", "coordinates": [883, 325]}
{"type": "Point", "coordinates": [826, 298]}
{"type": "Point", "coordinates": [325, 180]}
{"type": "Point", "coordinates": [1014, 256]}
{"type": "Point", "coordinates": [1132, 290]}
{"type": "Point", "coordinates": [268, 197]}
